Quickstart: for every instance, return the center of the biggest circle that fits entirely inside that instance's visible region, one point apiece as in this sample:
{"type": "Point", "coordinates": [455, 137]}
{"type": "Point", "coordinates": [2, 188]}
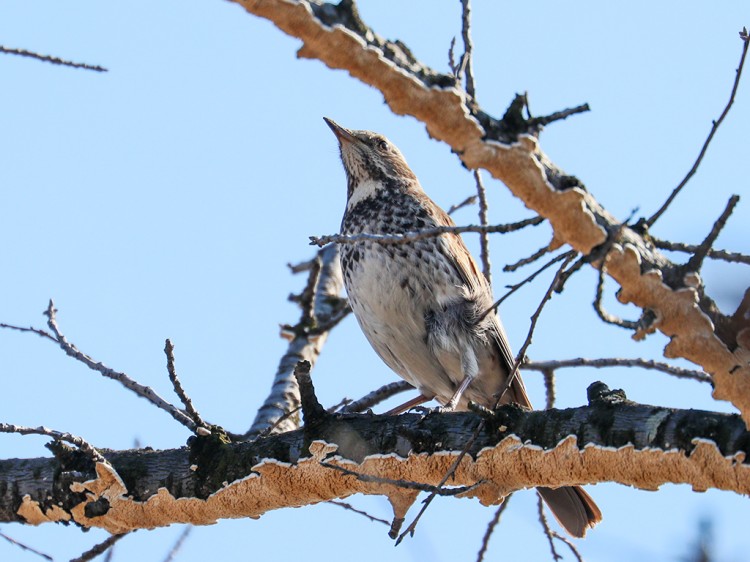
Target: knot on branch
{"type": "Point", "coordinates": [600, 393]}
{"type": "Point", "coordinates": [71, 459]}
{"type": "Point", "coordinates": [313, 411]}
{"type": "Point", "coordinates": [515, 123]}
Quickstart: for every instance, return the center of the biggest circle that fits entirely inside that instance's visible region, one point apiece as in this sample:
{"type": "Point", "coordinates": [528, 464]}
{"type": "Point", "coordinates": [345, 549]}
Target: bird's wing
{"type": "Point", "coordinates": [469, 272]}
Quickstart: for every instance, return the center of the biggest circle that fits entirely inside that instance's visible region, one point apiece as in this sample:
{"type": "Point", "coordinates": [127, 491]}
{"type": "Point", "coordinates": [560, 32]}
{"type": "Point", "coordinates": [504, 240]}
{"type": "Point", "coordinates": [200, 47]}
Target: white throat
{"type": "Point", "coordinates": [364, 190]}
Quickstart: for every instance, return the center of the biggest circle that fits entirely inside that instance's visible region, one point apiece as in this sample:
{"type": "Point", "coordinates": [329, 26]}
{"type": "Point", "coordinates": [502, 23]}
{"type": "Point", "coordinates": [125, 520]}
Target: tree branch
{"type": "Point", "coordinates": [330, 34]}
{"type": "Point", "coordinates": [50, 59]}
{"type": "Point", "coordinates": [608, 440]}
{"type": "Point", "coordinates": [306, 340]}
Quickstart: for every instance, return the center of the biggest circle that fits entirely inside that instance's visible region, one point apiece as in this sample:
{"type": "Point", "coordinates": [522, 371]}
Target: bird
{"type": "Point", "coordinates": [424, 305]}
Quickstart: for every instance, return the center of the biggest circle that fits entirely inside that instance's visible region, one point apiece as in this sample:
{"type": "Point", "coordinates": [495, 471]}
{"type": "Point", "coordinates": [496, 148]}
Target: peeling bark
{"type": "Point", "coordinates": [336, 35]}
{"type": "Point", "coordinates": [638, 445]}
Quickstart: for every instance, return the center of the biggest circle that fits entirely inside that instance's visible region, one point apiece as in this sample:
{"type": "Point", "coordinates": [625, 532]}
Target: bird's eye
{"type": "Point", "coordinates": [383, 145]}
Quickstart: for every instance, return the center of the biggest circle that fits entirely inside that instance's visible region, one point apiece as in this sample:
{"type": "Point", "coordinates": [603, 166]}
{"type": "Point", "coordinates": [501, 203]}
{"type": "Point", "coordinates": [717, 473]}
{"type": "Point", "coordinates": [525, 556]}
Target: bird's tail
{"type": "Point", "coordinates": [573, 508]}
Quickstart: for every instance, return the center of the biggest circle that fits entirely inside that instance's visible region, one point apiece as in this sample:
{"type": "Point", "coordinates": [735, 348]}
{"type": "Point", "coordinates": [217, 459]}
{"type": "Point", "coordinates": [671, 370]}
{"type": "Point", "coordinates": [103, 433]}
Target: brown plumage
{"type": "Point", "coordinates": [422, 305]}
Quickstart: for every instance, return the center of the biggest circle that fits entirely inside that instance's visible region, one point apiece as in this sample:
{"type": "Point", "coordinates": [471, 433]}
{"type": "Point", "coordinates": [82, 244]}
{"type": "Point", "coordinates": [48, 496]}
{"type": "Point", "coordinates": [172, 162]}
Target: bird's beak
{"type": "Point", "coordinates": [344, 135]}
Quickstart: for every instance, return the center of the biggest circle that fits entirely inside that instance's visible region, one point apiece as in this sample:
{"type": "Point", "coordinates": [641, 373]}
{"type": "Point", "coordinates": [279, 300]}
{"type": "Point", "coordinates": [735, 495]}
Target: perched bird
{"type": "Point", "coordinates": [423, 305]}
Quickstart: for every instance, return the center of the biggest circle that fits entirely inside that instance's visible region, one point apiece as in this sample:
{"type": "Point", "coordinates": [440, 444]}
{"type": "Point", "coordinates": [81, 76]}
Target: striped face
{"type": "Point", "coordinates": [370, 160]}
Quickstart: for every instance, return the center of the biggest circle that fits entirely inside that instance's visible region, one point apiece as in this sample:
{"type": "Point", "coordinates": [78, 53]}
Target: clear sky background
{"type": "Point", "coordinates": [165, 198]}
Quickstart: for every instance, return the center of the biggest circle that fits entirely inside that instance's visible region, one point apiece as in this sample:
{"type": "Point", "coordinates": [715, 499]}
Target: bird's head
{"type": "Point", "coordinates": [370, 157]}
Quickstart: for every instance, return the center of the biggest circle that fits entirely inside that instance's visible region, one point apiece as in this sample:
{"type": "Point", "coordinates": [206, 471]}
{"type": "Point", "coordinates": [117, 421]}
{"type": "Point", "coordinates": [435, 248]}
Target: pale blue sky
{"type": "Point", "coordinates": [165, 197]}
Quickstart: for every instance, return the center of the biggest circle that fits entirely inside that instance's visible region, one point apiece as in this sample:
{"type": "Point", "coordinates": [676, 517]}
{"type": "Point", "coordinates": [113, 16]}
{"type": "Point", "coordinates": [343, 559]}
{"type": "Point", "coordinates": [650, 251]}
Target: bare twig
{"type": "Point", "coordinates": [470, 200]}
{"type": "Point", "coordinates": [407, 237]}
{"type": "Point", "coordinates": [603, 314]}
{"type": "Point", "coordinates": [714, 127]}
{"type": "Point", "coordinates": [301, 266]}
{"type": "Point", "coordinates": [466, 58]}
{"type": "Point", "coordinates": [177, 385]}
{"type": "Point", "coordinates": [723, 255]}
{"type": "Point", "coordinates": [491, 528]}
{"type": "Point", "coordinates": [25, 547]}
{"type": "Point", "coordinates": [617, 362]}
{"type": "Point", "coordinates": [484, 239]}
{"type": "Point", "coordinates": [350, 507]}
{"type": "Point", "coordinates": [547, 531]}
{"type": "Point", "coordinates": [271, 428]}
{"type": "Point", "coordinates": [549, 387]}
{"type": "Point", "coordinates": [569, 544]}
{"type": "Point", "coordinates": [143, 391]}
{"type": "Point", "coordinates": [333, 320]}
{"type": "Point", "coordinates": [51, 59]}
{"type": "Point", "coordinates": [532, 326]}
{"type": "Point", "coordinates": [30, 329]}
{"type": "Point", "coordinates": [98, 549]}
{"type": "Point", "coordinates": [178, 543]}
{"type": "Point", "coordinates": [526, 261]}
{"type": "Point", "coordinates": [377, 396]}
{"type": "Point", "coordinates": [307, 299]}
{"type": "Point", "coordinates": [696, 261]}
{"type": "Point", "coordinates": [558, 115]}
{"type": "Point", "coordinates": [455, 69]}
{"type": "Point", "coordinates": [435, 490]}
{"type": "Point", "coordinates": [529, 279]}
{"type": "Point", "coordinates": [79, 442]}
{"type": "Point", "coordinates": [426, 503]}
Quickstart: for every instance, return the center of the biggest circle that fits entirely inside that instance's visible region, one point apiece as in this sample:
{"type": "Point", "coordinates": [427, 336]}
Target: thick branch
{"type": "Point", "coordinates": [638, 445]}
{"type": "Point", "coordinates": [278, 412]}
{"type": "Point", "coordinates": [336, 36]}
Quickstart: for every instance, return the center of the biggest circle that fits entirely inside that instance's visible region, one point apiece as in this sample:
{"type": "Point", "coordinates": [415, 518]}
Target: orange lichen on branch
{"type": "Point", "coordinates": [511, 465]}
{"type": "Point", "coordinates": [575, 216]}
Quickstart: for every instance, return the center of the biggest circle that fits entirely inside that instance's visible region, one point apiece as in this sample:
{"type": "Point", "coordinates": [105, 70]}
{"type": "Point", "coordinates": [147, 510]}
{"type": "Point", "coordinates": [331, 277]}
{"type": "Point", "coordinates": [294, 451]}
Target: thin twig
{"type": "Point", "coordinates": [30, 329]}
{"type": "Point", "coordinates": [100, 548]}
{"type": "Point", "coordinates": [407, 484]}
{"type": "Point", "coordinates": [179, 390]}
{"type": "Point", "coordinates": [470, 200]}
{"type": "Point", "coordinates": [603, 314]}
{"type": "Point", "coordinates": [79, 442]}
{"type": "Point", "coordinates": [376, 397]}
{"type": "Point", "coordinates": [301, 266]}
{"type": "Point", "coordinates": [547, 531]}
{"type": "Point", "coordinates": [449, 473]}
{"type": "Point", "coordinates": [696, 261]}
{"type": "Point", "coordinates": [526, 261]}
{"type": "Point", "coordinates": [466, 58]}
{"type": "Point", "coordinates": [484, 238]}
{"type": "Point", "coordinates": [723, 255]}
{"type": "Point", "coordinates": [569, 544]}
{"type": "Point", "coordinates": [549, 387]}
{"type": "Point", "coordinates": [279, 421]}
{"type": "Point", "coordinates": [143, 391]}
{"type": "Point", "coordinates": [407, 237]}
{"type": "Point", "coordinates": [714, 128]}
{"type": "Point", "coordinates": [617, 362]}
{"type": "Point", "coordinates": [307, 299]}
{"type": "Point", "coordinates": [51, 59]}
{"type": "Point", "coordinates": [558, 115]}
{"type": "Point", "coordinates": [350, 507]}
{"type": "Point", "coordinates": [330, 322]}
{"type": "Point", "coordinates": [491, 528]}
{"type": "Point", "coordinates": [532, 326]}
{"type": "Point", "coordinates": [455, 70]}
{"type": "Point", "coordinates": [178, 543]}
{"type": "Point", "coordinates": [25, 547]}
{"type": "Point", "coordinates": [529, 279]}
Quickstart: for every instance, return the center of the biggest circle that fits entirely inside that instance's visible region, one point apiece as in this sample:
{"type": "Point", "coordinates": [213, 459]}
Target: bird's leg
{"type": "Point", "coordinates": [408, 405]}
{"type": "Point", "coordinates": [470, 369]}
